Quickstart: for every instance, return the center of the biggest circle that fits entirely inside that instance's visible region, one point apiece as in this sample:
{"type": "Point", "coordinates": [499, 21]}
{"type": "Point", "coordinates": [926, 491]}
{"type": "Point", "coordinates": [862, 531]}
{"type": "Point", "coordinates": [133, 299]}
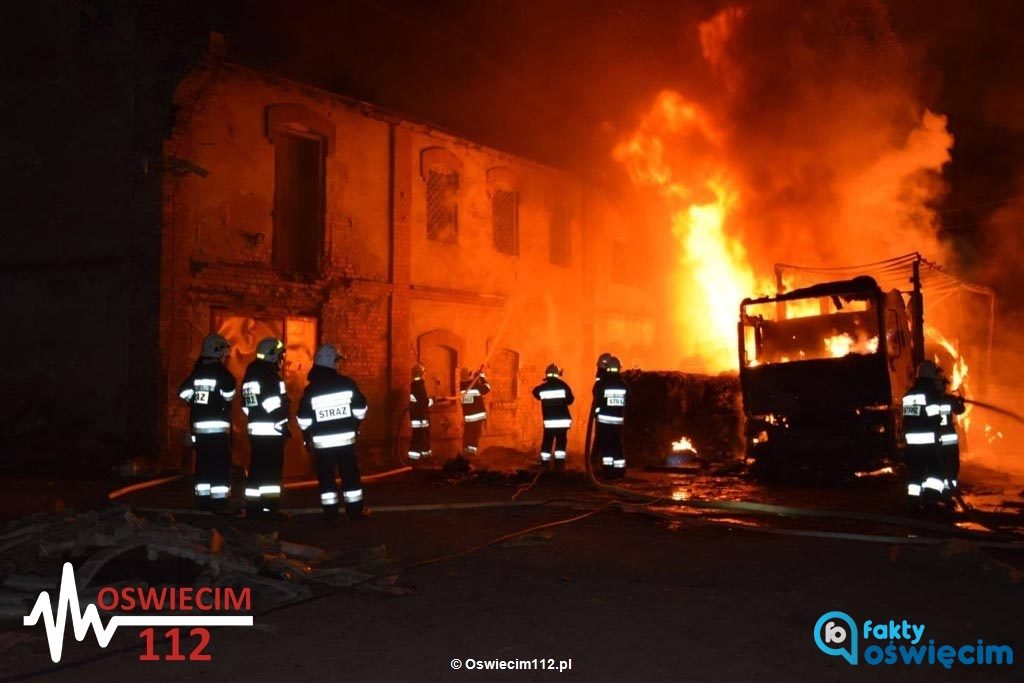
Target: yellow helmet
{"type": "Point", "coordinates": [270, 349]}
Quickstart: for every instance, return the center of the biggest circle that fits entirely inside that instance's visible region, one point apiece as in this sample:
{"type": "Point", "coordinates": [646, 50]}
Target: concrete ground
{"type": "Point", "coordinates": [624, 595]}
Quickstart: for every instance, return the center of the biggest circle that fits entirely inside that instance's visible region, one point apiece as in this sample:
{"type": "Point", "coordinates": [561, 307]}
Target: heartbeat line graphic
{"type": "Point", "coordinates": [55, 620]}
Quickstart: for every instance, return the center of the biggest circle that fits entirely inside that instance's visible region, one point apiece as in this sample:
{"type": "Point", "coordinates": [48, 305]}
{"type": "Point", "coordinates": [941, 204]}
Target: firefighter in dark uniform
{"type": "Point", "coordinates": [329, 414]}
{"type": "Point", "coordinates": [473, 386]}
{"type": "Point", "coordinates": [921, 423]}
{"type": "Point", "coordinates": [209, 391]}
{"type": "Point", "coordinates": [610, 396]}
{"type": "Point", "coordinates": [950, 406]}
{"type": "Point", "coordinates": [419, 415]}
{"type": "Point", "coordinates": [265, 404]}
{"type": "Point", "coordinates": [555, 397]}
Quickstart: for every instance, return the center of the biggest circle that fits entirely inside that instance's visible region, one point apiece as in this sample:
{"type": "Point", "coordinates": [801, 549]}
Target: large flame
{"type": "Point", "coordinates": [957, 370]}
{"type": "Point", "coordinates": [814, 163]}
{"type": "Point", "coordinates": [682, 445]}
{"type": "Point", "coordinates": [715, 273]}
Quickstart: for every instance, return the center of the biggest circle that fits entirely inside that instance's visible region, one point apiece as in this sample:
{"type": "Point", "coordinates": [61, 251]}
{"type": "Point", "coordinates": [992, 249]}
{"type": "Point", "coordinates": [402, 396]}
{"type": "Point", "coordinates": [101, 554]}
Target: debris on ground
{"type": "Point", "coordinates": [457, 466]}
{"type": "Point", "coordinates": [665, 406]}
{"type": "Point", "coordinates": [117, 546]}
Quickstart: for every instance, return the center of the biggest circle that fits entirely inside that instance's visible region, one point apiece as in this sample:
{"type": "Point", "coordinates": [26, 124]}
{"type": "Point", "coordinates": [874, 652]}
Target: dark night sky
{"type": "Point", "coordinates": [561, 80]}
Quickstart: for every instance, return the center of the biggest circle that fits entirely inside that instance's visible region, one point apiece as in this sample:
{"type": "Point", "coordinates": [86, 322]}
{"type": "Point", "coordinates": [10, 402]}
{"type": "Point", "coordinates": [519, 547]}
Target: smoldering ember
{"type": "Point", "coordinates": [384, 340]}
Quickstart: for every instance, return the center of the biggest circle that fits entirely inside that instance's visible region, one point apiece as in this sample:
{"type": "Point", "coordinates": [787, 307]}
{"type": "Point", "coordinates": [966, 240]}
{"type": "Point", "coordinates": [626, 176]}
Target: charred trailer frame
{"type": "Point", "coordinates": [821, 391]}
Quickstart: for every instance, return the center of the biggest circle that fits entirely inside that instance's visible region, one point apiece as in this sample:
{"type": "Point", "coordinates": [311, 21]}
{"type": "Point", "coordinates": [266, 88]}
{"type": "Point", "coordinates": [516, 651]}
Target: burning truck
{"type": "Point", "coordinates": [822, 372]}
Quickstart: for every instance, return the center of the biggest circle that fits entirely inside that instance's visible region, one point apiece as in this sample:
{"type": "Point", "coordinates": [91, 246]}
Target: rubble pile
{"type": "Point", "coordinates": [116, 547]}
{"type": "Point", "coordinates": [663, 406]}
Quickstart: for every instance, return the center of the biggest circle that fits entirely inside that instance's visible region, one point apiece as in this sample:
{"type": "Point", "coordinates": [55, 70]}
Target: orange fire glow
{"type": "Point", "coordinates": [822, 180]}
{"type": "Point", "coordinates": [840, 345]}
{"type": "Point", "coordinates": [957, 373]}
{"type": "Point", "coordinates": [683, 444]}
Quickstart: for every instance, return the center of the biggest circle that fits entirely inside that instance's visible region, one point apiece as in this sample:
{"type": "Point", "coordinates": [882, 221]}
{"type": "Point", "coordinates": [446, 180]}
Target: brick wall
{"type": "Point", "coordinates": [386, 289]}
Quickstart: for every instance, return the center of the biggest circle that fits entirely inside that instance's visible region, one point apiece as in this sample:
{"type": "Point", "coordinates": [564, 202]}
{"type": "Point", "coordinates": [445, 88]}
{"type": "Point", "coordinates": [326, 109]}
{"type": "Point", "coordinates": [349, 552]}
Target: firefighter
{"type": "Point", "coordinates": [265, 404]}
{"type": "Point", "coordinates": [209, 391]}
{"type": "Point", "coordinates": [473, 386]}
{"type": "Point", "coordinates": [330, 412]}
{"type": "Point", "coordinates": [950, 405]}
{"type": "Point", "coordinates": [555, 397]}
{"type": "Point", "coordinates": [921, 423]}
{"type": "Point", "coordinates": [419, 415]}
{"type": "Point", "coordinates": [610, 395]}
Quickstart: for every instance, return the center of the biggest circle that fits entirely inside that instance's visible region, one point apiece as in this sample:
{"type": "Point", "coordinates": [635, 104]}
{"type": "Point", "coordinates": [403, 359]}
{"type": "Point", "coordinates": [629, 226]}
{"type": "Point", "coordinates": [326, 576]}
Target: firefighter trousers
{"type": "Point", "coordinates": [471, 432]}
{"type": "Point", "coordinates": [553, 442]}
{"type": "Point", "coordinates": [263, 486]}
{"type": "Point", "coordinates": [341, 460]}
{"type": "Point", "coordinates": [609, 448]}
{"type": "Point", "coordinates": [949, 460]}
{"type": "Point", "coordinates": [419, 444]}
{"type": "Point", "coordinates": [924, 469]}
{"type": "Point", "coordinates": [213, 468]}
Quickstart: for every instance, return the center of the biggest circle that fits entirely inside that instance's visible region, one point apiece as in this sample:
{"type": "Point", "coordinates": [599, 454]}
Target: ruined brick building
{"type": "Point", "coordinates": [300, 213]}
{"type": "Point", "coordinates": [155, 192]}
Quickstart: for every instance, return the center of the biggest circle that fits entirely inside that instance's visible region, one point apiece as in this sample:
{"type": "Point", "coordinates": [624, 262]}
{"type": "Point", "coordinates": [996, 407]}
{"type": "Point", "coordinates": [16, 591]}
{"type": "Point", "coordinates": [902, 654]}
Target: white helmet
{"type": "Point", "coordinates": [215, 346]}
{"type": "Point", "coordinates": [327, 356]}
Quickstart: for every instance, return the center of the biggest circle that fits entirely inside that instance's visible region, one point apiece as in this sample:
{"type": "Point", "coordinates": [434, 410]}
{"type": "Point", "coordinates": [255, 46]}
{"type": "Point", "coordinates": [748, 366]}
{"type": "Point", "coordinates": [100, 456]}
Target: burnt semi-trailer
{"type": "Point", "coordinates": [822, 370]}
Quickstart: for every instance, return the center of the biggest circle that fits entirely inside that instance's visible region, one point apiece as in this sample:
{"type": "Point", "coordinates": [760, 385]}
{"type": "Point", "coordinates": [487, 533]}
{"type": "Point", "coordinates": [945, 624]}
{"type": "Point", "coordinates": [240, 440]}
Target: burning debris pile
{"type": "Point", "coordinates": [117, 547]}
{"type": "Point", "coordinates": [665, 406]}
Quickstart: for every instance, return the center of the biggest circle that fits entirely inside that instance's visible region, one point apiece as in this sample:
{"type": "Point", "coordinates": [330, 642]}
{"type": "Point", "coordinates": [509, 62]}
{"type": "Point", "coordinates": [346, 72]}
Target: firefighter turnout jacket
{"type": "Point", "coordinates": [209, 391]}
{"type": "Point", "coordinates": [419, 404]}
{"type": "Point", "coordinates": [555, 397]}
{"type": "Point", "coordinates": [264, 400]}
{"type": "Point", "coordinates": [472, 392]}
{"type": "Point", "coordinates": [610, 394]}
{"type": "Point", "coordinates": [331, 409]}
{"type": "Point", "coordinates": [949, 406]}
{"type": "Point", "coordinates": [921, 413]}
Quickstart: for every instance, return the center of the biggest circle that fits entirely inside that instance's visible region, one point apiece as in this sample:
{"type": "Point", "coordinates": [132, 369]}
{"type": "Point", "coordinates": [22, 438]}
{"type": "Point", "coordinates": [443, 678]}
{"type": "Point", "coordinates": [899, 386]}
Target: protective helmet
{"type": "Point", "coordinates": [270, 349]}
{"type": "Point", "coordinates": [215, 346]}
{"type": "Point", "coordinates": [553, 371]}
{"type": "Point", "coordinates": [465, 374]}
{"type": "Point", "coordinates": [602, 360]}
{"type": "Point", "coordinates": [417, 371]}
{"type": "Point", "coordinates": [327, 356]}
{"type": "Point", "coordinates": [614, 364]}
{"type": "Point", "coordinates": [928, 370]}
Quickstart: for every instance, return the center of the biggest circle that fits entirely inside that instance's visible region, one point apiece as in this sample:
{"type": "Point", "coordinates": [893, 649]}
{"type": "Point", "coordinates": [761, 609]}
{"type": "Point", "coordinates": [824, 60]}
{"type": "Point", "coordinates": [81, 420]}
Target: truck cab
{"type": "Point", "coordinates": [822, 372]}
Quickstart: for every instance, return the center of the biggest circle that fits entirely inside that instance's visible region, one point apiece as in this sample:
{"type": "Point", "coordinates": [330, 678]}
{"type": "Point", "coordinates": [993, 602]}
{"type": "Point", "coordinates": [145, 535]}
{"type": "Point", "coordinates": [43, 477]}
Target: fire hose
{"type": "Point", "coordinates": [996, 409]}
{"type": "Point", "coordinates": [763, 508]}
{"type": "Point", "coordinates": [645, 509]}
{"type": "Point", "coordinates": [957, 496]}
{"type": "Point", "coordinates": [642, 500]}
